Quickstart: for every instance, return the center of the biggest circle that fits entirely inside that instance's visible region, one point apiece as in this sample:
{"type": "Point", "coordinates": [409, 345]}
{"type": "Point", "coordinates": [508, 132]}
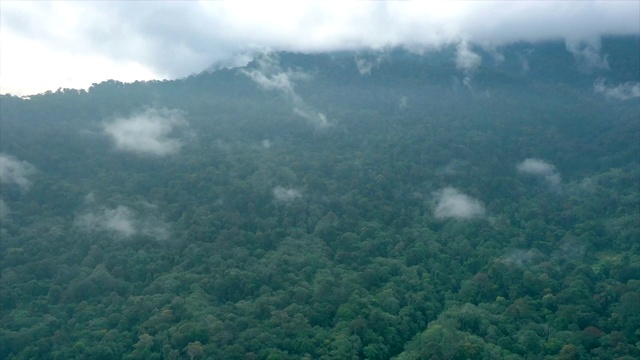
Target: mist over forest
{"type": "Point", "coordinates": [460, 203]}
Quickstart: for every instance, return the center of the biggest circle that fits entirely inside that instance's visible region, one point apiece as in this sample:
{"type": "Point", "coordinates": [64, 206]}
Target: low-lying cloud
{"type": "Point", "coordinates": [466, 59]}
{"type": "Point", "coordinates": [451, 203]}
{"type": "Point", "coordinates": [541, 168]}
{"type": "Point", "coordinates": [270, 76]}
{"type": "Point", "coordinates": [15, 172]}
{"type": "Point", "coordinates": [283, 195]}
{"type": "Point", "coordinates": [587, 54]}
{"type": "Point", "coordinates": [626, 91]}
{"type": "Point", "coordinates": [148, 132]}
{"type": "Point", "coordinates": [365, 64]}
{"type": "Point", "coordinates": [122, 222]}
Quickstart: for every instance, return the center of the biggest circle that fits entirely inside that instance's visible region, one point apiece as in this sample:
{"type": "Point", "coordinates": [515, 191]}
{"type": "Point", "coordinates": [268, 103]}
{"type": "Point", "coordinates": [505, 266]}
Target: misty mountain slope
{"type": "Point", "coordinates": [344, 205]}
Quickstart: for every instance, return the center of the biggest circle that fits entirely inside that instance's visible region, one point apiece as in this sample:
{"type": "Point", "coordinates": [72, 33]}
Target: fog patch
{"type": "Point", "coordinates": [588, 184]}
{"type": "Point", "coordinates": [283, 195]}
{"type": "Point", "coordinates": [270, 76]}
{"type": "Point", "coordinates": [403, 103]}
{"type": "Point", "coordinates": [122, 222]}
{"type": "Point", "coordinates": [541, 168]}
{"type": "Point", "coordinates": [626, 91]}
{"type": "Point", "coordinates": [455, 167]}
{"type": "Point", "coordinates": [4, 210]}
{"type": "Point", "coordinates": [15, 172]}
{"type": "Point", "coordinates": [90, 198]}
{"type": "Point", "coordinates": [521, 257]}
{"type": "Point", "coordinates": [148, 132]}
{"type": "Point", "coordinates": [524, 64]}
{"type": "Point", "coordinates": [571, 247]}
{"type": "Point", "coordinates": [451, 203]}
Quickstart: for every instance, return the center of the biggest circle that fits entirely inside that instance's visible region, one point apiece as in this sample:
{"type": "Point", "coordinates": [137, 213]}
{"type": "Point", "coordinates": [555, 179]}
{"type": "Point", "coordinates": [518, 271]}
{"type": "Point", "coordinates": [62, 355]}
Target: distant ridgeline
{"type": "Point", "coordinates": [449, 204]}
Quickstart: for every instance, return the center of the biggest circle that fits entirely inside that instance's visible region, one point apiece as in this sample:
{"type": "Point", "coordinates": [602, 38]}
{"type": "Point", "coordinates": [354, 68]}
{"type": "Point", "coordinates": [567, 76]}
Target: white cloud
{"type": "Point", "coordinates": [148, 132]}
{"type": "Point", "coordinates": [626, 91]}
{"type": "Point", "coordinates": [540, 168]}
{"type": "Point", "coordinates": [46, 45]}
{"type": "Point", "coordinates": [122, 221]}
{"type": "Point", "coordinates": [270, 76]}
{"type": "Point", "coordinates": [466, 59]}
{"type": "Point", "coordinates": [119, 220]}
{"type": "Point", "coordinates": [286, 195]}
{"type": "Point", "coordinates": [451, 203]}
{"type": "Point", "coordinates": [14, 171]}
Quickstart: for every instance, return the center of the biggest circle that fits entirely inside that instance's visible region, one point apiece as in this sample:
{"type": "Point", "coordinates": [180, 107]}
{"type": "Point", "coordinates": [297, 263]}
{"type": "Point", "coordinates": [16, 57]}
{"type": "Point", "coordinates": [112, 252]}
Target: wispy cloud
{"type": "Point", "coordinates": [541, 168]}
{"type": "Point", "coordinates": [123, 222]}
{"type": "Point", "coordinates": [148, 132]}
{"type": "Point", "coordinates": [524, 61]}
{"type": "Point", "coordinates": [270, 76]}
{"type": "Point", "coordinates": [587, 54]}
{"type": "Point", "coordinates": [626, 91]}
{"type": "Point", "coordinates": [14, 171]}
{"type": "Point", "coordinates": [365, 64]}
{"type": "Point", "coordinates": [284, 195]}
{"type": "Point", "coordinates": [451, 203]}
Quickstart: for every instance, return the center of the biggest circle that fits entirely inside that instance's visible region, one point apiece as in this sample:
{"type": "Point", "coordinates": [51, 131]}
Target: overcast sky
{"type": "Point", "coordinates": [47, 45]}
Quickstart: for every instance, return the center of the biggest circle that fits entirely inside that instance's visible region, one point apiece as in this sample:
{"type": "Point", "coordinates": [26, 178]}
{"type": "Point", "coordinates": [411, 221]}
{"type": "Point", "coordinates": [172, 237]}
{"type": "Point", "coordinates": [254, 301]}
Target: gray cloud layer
{"type": "Point", "coordinates": [178, 38]}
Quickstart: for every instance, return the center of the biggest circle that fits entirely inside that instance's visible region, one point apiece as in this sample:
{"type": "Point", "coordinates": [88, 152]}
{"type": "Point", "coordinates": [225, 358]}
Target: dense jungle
{"type": "Point", "coordinates": [348, 205]}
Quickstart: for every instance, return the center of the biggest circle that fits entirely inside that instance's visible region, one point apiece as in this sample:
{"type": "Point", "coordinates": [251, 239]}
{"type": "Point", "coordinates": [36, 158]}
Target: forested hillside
{"type": "Point", "coordinates": [351, 205]}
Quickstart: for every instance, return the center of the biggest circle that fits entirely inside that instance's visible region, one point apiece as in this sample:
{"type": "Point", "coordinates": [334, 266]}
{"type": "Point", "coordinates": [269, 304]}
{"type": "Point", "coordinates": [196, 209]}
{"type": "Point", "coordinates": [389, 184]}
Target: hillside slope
{"type": "Point", "coordinates": [330, 206]}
